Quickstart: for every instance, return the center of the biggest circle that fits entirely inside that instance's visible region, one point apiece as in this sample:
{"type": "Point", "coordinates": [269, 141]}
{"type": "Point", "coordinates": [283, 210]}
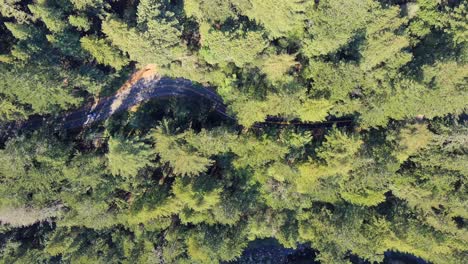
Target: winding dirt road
{"type": "Point", "coordinates": [142, 90]}
{"type": "Point", "coordinates": [136, 92]}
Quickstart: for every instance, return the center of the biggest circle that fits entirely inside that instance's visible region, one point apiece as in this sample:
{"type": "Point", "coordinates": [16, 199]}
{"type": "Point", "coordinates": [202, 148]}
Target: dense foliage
{"type": "Point", "coordinates": [173, 182]}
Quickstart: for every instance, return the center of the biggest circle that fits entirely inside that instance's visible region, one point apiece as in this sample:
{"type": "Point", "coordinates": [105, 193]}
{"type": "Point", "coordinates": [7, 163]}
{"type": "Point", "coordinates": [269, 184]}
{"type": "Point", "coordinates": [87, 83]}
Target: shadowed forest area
{"type": "Point", "coordinates": [172, 180]}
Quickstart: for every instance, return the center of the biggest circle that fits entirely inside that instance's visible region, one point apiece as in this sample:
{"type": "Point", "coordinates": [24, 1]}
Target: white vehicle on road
{"type": "Point", "coordinates": [90, 118]}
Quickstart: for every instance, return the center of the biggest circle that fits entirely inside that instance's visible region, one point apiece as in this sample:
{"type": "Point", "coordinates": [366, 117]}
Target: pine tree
{"type": "Point", "coordinates": [213, 244]}
{"type": "Point", "coordinates": [411, 139]}
{"type": "Point", "coordinates": [30, 169]}
{"type": "Point", "coordinates": [103, 52]}
{"type": "Point", "coordinates": [127, 157]}
{"type": "Point", "coordinates": [182, 159]}
{"type": "Point", "coordinates": [383, 45]}
{"type": "Point", "coordinates": [35, 89]}
{"type": "Point", "coordinates": [238, 47]}
{"type": "Point", "coordinates": [12, 9]}
{"type": "Point", "coordinates": [336, 158]}
{"type": "Point", "coordinates": [281, 18]}
{"type": "Point", "coordinates": [276, 67]}
{"type": "Point", "coordinates": [335, 81]}
{"type": "Point", "coordinates": [209, 10]}
{"type": "Point", "coordinates": [197, 197]}
{"type": "Point", "coordinates": [158, 45]}
{"type": "Point", "coordinates": [433, 185]}
{"type": "Point", "coordinates": [82, 23]}
{"type": "Point", "coordinates": [333, 24]}
{"type": "Point", "coordinates": [52, 18]}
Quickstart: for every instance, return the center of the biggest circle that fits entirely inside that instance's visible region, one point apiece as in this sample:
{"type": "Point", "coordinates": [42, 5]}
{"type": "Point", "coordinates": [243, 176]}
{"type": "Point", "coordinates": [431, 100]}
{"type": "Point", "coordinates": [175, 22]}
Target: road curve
{"type": "Point", "coordinates": [142, 90]}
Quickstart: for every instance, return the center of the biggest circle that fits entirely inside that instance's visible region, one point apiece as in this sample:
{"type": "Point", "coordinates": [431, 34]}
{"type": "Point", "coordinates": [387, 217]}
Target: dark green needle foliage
{"type": "Point", "coordinates": [172, 181]}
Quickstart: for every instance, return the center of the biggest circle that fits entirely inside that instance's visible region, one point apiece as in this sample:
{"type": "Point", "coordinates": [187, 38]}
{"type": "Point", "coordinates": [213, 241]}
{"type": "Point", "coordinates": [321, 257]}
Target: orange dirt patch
{"type": "Point", "coordinates": [134, 108]}
{"type": "Point", "coordinates": [147, 73]}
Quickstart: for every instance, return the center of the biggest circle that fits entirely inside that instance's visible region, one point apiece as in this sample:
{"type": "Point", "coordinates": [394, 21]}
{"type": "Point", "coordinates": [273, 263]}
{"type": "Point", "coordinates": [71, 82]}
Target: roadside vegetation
{"type": "Point", "coordinates": [173, 181]}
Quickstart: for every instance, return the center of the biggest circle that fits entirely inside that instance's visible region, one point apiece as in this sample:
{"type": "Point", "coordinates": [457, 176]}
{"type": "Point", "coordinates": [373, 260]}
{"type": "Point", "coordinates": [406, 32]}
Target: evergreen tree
{"type": "Point", "coordinates": [82, 23]}
{"type": "Point", "coordinates": [281, 18]}
{"type": "Point", "coordinates": [12, 9]}
{"type": "Point", "coordinates": [191, 180]}
{"type": "Point", "coordinates": [383, 45]}
{"type": "Point", "coordinates": [334, 24]}
{"type": "Point", "coordinates": [276, 67]}
{"type": "Point", "coordinates": [237, 47]}
{"type": "Point", "coordinates": [209, 10]}
{"type": "Point", "coordinates": [34, 90]}
{"type": "Point", "coordinates": [103, 52]}
{"type": "Point", "coordinates": [159, 45]}
{"type": "Point", "coordinates": [127, 157]}
{"type": "Point", "coordinates": [182, 159]}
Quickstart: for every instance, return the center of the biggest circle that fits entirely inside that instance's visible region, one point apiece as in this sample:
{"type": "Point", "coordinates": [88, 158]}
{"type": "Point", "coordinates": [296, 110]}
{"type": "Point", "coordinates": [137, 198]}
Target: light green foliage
{"type": "Point", "coordinates": [211, 142]}
{"type": "Point", "coordinates": [127, 157]}
{"type": "Point", "coordinates": [426, 15]}
{"type": "Point", "coordinates": [158, 45]}
{"type": "Point", "coordinates": [61, 242]}
{"type": "Point", "coordinates": [276, 67]}
{"type": "Point", "coordinates": [19, 31]}
{"type": "Point", "coordinates": [182, 159]}
{"type": "Point", "coordinates": [279, 223]}
{"type": "Point", "coordinates": [148, 10]}
{"type": "Point", "coordinates": [36, 87]}
{"type": "Point", "coordinates": [31, 166]}
{"type": "Point", "coordinates": [457, 25]}
{"type": "Point", "coordinates": [286, 105]}
{"type": "Point", "coordinates": [188, 153]}
{"type": "Point", "coordinates": [444, 79]}
{"type": "Point", "coordinates": [192, 8]}
{"type": "Point", "coordinates": [238, 47]}
{"type": "Point", "coordinates": [333, 24]}
{"type": "Point", "coordinates": [197, 197]}
{"type": "Point", "coordinates": [429, 14]}
{"type": "Point", "coordinates": [322, 178]}
{"type": "Point", "coordinates": [339, 148]}
{"type": "Point", "coordinates": [249, 111]}
{"type": "Point", "coordinates": [370, 178]}
{"type": "Point", "coordinates": [423, 241]}
{"type": "Point", "coordinates": [80, 22]}
{"type": "Point", "coordinates": [215, 244]}
{"type": "Point", "coordinates": [256, 153]}
{"type": "Point", "coordinates": [29, 42]}
{"type": "Point", "coordinates": [210, 10]}
{"type": "Point", "coordinates": [326, 229]}
{"type": "Point", "coordinates": [411, 139]}
{"type": "Point", "coordinates": [313, 110]}
{"type": "Point", "coordinates": [279, 17]}
{"type": "Point", "coordinates": [363, 196]}
{"type": "Point", "coordinates": [448, 75]}
{"type": "Point", "coordinates": [433, 187]}
{"type": "Point", "coordinates": [84, 172]}
{"type": "Point", "coordinates": [57, 32]}
{"type": "Point", "coordinates": [87, 4]}
{"type": "Point", "coordinates": [9, 111]}
{"type": "Point", "coordinates": [52, 18]}
{"type": "Point", "coordinates": [103, 52]}
{"type": "Point", "coordinates": [383, 45]}
{"type": "Point", "coordinates": [12, 9]}
{"type": "Point", "coordinates": [336, 81]}
{"type": "Point", "coordinates": [178, 181]}
{"type": "Point", "coordinates": [68, 43]}
{"type": "Point", "coordinates": [441, 80]}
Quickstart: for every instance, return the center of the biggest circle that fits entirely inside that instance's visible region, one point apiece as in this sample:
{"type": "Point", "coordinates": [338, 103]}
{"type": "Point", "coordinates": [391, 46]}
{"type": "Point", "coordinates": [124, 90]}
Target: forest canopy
{"type": "Point", "coordinates": [368, 152]}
